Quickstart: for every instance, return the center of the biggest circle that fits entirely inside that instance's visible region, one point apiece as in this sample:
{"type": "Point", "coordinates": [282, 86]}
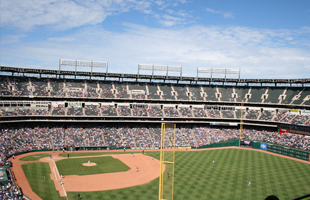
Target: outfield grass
{"type": "Point", "coordinates": [196, 177]}
{"type": "Point", "coordinates": [106, 164]}
{"type": "Point", "coordinates": [35, 157]}
{"type": "Point", "coordinates": [95, 153]}
{"type": "Point", "coordinates": [38, 175]}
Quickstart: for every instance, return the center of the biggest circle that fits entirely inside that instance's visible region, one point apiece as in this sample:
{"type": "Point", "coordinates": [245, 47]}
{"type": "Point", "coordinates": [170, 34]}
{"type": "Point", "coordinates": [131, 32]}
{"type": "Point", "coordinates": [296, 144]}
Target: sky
{"type": "Point", "coordinates": [264, 39]}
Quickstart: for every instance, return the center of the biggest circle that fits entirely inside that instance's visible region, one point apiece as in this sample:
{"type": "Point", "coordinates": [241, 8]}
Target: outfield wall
{"type": "Point", "coordinates": [283, 150]}
{"type": "Point", "coordinates": [266, 146]}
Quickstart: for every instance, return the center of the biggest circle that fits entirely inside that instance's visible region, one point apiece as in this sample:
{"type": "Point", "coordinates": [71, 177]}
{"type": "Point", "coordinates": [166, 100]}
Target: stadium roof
{"type": "Point", "coordinates": [150, 77]}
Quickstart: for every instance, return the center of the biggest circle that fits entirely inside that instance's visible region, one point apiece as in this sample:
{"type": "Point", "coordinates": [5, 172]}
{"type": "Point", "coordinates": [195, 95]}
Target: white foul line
{"type": "Point", "coordinates": [55, 173]}
{"type": "Point", "coordinates": [59, 178]}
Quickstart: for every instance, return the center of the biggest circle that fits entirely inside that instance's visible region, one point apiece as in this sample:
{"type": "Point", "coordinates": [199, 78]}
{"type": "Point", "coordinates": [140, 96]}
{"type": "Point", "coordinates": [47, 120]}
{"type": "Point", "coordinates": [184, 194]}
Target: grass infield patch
{"type": "Point", "coordinates": [35, 157]}
{"type": "Point", "coordinates": [106, 164]}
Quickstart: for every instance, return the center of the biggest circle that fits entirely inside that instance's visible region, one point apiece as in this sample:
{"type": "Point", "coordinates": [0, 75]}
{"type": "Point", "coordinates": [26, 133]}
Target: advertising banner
{"type": "Point", "coordinates": [142, 148]}
{"type": "Point", "coordinates": [184, 147]}
{"type": "Point", "coordinates": [263, 146]}
{"type": "Point", "coordinates": [281, 131]}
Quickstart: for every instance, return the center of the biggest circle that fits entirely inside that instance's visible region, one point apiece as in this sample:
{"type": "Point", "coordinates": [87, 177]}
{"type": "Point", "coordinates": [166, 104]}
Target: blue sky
{"type": "Point", "coordinates": [265, 38]}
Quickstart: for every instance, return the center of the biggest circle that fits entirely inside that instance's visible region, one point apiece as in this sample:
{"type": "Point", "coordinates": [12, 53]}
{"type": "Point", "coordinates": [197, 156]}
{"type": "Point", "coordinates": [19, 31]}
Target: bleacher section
{"type": "Point", "coordinates": [39, 87]}
{"type": "Point", "coordinates": [241, 93]}
{"type": "Point", "coordinates": [211, 93]}
{"type": "Point", "coordinates": [182, 93]}
{"type": "Point", "coordinates": [195, 92]}
{"type": "Point", "coordinates": [274, 95]}
{"type": "Point", "coordinates": [138, 90]}
{"type": "Point", "coordinates": [106, 90]}
{"type": "Point", "coordinates": [153, 91]}
{"type": "Point", "coordinates": [290, 95]}
{"type": "Point", "coordinates": [226, 94]}
{"type": "Point", "coordinates": [167, 92]}
{"type": "Point", "coordinates": [302, 97]}
{"type": "Point", "coordinates": [256, 94]}
{"type": "Point", "coordinates": [92, 90]}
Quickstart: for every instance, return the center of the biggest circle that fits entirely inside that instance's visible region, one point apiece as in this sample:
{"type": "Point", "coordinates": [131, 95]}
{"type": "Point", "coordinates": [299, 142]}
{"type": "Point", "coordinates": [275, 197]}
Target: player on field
{"type": "Point", "coordinates": [213, 160]}
{"type": "Point", "coordinates": [249, 184]}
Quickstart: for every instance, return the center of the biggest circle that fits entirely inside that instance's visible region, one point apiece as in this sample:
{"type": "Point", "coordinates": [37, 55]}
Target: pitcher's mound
{"type": "Point", "coordinates": [89, 164]}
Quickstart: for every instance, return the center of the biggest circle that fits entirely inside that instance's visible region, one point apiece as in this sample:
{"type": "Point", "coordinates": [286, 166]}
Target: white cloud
{"type": "Point", "coordinates": [255, 51]}
{"type": "Point", "coordinates": [7, 39]}
{"type": "Point", "coordinates": [66, 14]}
{"type": "Point", "coordinates": [224, 14]}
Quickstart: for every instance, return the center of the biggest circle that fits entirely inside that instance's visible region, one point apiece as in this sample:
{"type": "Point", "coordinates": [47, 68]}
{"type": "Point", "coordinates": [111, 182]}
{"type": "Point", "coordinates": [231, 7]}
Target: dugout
{"type": "Point", "coordinates": [91, 148]}
{"type": "Point", "coordinates": [3, 176]}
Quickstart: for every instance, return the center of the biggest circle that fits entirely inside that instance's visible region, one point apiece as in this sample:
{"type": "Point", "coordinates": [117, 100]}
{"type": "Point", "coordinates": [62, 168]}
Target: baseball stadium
{"type": "Point", "coordinates": [70, 134]}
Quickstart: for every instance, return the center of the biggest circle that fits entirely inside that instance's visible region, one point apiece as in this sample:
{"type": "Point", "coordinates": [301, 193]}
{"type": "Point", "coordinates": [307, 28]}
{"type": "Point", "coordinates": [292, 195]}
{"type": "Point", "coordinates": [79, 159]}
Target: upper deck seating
{"type": "Point", "coordinates": [121, 90]}
{"type": "Point", "coordinates": [226, 94]}
{"type": "Point", "coordinates": [5, 88]}
{"type": "Point", "coordinates": [39, 87]}
{"type": "Point", "coordinates": [257, 94]}
{"type": "Point", "coordinates": [274, 95]}
{"type": "Point", "coordinates": [182, 92]}
{"type": "Point", "coordinates": [195, 92]}
{"type": "Point", "coordinates": [106, 90]}
{"type": "Point", "coordinates": [21, 86]}
{"type": "Point", "coordinates": [167, 92]}
{"type": "Point", "coordinates": [211, 93]}
{"type": "Point", "coordinates": [153, 94]}
{"type": "Point", "coordinates": [92, 90]}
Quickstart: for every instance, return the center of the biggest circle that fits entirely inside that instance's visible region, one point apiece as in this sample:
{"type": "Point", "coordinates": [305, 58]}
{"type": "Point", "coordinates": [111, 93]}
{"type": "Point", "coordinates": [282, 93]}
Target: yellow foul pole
{"type": "Point", "coordinates": [241, 123]}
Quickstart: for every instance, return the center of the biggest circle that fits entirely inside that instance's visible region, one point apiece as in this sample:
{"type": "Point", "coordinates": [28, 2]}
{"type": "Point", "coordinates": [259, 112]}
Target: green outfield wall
{"type": "Point", "coordinates": [283, 150]}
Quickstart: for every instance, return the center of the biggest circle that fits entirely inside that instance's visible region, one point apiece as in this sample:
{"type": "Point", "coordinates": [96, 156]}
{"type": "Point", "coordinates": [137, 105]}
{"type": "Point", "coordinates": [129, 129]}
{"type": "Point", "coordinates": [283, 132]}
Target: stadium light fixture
{"type": "Point", "coordinates": [83, 63]}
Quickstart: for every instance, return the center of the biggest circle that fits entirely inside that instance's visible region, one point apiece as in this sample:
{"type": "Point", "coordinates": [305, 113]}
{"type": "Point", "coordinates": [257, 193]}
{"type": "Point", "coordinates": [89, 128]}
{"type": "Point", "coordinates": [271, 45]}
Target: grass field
{"type": "Point", "coordinates": [35, 157]}
{"type": "Point", "coordinates": [106, 164]}
{"type": "Point", "coordinates": [196, 177]}
{"type": "Point", "coordinates": [38, 175]}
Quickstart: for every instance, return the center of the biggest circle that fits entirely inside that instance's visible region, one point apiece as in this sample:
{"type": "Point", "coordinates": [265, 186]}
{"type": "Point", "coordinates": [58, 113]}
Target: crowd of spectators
{"type": "Point", "coordinates": [92, 110]}
{"type": "Point", "coordinates": [199, 112]}
{"type": "Point", "coordinates": [139, 111]}
{"type": "Point", "coordinates": [213, 113]}
{"type": "Point", "coordinates": [252, 114]}
{"type": "Point", "coordinates": [74, 111]}
{"type": "Point", "coordinates": [5, 86]}
{"type": "Point", "coordinates": [228, 114]}
{"type": "Point", "coordinates": [10, 191]}
{"type": "Point", "coordinates": [109, 110]}
{"type": "Point", "coordinates": [124, 111]}
{"type": "Point", "coordinates": [14, 140]}
{"type": "Point", "coordinates": [59, 110]}
{"type": "Point", "coordinates": [185, 112]}
{"type": "Point", "coordinates": [92, 90]}
{"type": "Point", "coordinates": [93, 136]}
{"type": "Point", "coordinates": [155, 111]}
{"type": "Point", "coordinates": [171, 112]}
